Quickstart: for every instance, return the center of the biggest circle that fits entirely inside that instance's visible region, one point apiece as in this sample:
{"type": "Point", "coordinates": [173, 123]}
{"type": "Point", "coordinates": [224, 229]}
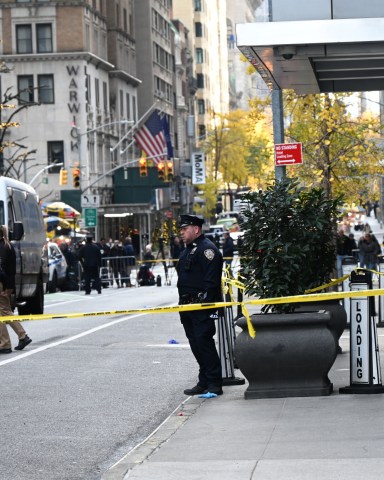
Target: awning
{"type": "Point", "coordinates": [317, 56]}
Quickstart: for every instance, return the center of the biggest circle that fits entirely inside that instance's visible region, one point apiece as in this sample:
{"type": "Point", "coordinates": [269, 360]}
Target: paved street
{"type": "Point", "coordinates": [87, 390]}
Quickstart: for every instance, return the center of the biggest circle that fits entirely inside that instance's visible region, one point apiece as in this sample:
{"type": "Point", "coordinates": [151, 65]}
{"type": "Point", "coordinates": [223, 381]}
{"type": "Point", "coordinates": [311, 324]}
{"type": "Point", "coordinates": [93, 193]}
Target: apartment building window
{"type": "Point", "coordinates": [105, 97]}
{"type": "Point", "coordinates": [198, 29]}
{"type": "Point", "coordinates": [134, 109]}
{"type": "Point", "coordinates": [46, 91]}
{"type": "Point", "coordinates": [97, 93]}
{"type": "Point", "coordinates": [44, 37]}
{"type": "Point", "coordinates": [200, 80]}
{"type": "Point", "coordinates": [24, 38]}
{"type": "Point", "coordinates": [117, 16]}
{"type": "Point", "coordinates": [197, 5]}
{"type": "Point", "coordinates": [25, 89]}
{"type": "Point", "coordinates": [128, 102]}
{"type": "Point", "coordinates": [201, 107]}
{"type": "Point", "coordinates": [125, 20]}
{"type": "Point", "coordinates": [202, 131]}
{"type": "Point", "coordinates": [55, 155]}
{"type": "Point", "coordinates": [121, 95]}
{"type": "Point", "coordinates": [199, 55]}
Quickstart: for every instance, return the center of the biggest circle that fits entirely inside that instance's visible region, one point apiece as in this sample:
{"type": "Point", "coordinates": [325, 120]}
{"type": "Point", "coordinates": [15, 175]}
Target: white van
{"type": "Point", "coordinates": [21, 213]}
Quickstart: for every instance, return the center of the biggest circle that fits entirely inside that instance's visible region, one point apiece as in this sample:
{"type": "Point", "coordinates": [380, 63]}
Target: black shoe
{"type": "Point", "coordinates": [87, 293]}
{"type": "Point", "coordinates": [23, 343]}
{"type": "Point", "coordinates": [216, 390]}
{"type": "Point", "coordinates": [196, 390]}
{"type": "Point", "coordinates": [99, 291]}
{"type": "Point", "coordinates": [6, 350]}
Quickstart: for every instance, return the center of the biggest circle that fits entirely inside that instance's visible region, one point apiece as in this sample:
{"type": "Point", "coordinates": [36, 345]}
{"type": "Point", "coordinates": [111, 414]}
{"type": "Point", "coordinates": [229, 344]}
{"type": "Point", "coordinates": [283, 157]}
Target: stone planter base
{"type": "Point", "coordinates": [290, 356]}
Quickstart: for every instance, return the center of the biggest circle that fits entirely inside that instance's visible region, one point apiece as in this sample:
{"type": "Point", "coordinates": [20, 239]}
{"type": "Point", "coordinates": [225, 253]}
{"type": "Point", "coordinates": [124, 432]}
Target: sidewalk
{"type": "Point", "coordinates": [229, 438]}
{"type": "Point", "coordinates": [304, 438]}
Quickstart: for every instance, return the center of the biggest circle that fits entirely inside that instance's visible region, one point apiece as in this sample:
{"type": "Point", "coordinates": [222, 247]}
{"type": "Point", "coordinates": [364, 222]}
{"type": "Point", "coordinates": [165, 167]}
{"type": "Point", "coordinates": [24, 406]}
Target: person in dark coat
{"type": "Point", "coordinates": [228, 251]}
{"type": "Point", "coordinates": [90, 258]}
{"type": "Point", "coordinates": [199, 281]}
{"type": "Point", "coordinates": [7, 286]}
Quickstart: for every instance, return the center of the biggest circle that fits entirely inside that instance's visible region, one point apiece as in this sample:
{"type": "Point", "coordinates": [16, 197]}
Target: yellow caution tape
{"type": "Point", "coordinates": [319, 297]}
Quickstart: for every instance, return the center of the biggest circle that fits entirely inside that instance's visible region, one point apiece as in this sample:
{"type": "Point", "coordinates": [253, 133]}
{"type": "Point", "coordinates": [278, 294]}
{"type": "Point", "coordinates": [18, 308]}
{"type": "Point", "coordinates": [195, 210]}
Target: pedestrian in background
{"type": "Point", "coordinates": [117, 257]}
{"type": "Point", "coordinates": [7, 286]}
{"type": "Point", "coordinates": [131, 260]}
{"type": "Point", "coordinates": [228, 251]}
{"type": "Point", "coordinates": [90, 258]}
{"type": "Point", "coordinates": [354, 248]}
{"type": "Point", "coordinates": [177, 247]}
{"type": "Point", "coordinates": [343, 250]}
{"type": "Point", "coordinates": [369, 249]}
{"type": "Point", "coordinates": [199, 281]}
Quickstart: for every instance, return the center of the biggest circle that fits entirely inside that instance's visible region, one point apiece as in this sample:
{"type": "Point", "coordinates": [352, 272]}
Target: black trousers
{"type": "Point", "coordinates": [200, 329]}
{"type": "Point", "coordinates": [92, 273]}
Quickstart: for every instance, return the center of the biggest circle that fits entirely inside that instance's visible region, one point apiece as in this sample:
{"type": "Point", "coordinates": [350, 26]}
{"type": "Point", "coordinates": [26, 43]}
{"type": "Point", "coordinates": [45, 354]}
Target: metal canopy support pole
{"type": "Point", "coordinates": [278, 127]}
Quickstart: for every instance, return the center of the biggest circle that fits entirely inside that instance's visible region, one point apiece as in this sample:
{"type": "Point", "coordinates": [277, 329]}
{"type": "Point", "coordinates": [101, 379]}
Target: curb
{"type": "Point", "coordinates": [154, 441]}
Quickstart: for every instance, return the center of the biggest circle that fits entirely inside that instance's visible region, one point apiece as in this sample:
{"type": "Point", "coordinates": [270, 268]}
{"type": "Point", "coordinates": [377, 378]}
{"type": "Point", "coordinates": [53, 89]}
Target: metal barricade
{"type": "Point", "coordinates": [119, 271]}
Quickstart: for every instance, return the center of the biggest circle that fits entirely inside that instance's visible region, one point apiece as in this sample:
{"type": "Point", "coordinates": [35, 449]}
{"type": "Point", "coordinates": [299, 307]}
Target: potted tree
{"type": "Point", "coordinates": [288, 248]}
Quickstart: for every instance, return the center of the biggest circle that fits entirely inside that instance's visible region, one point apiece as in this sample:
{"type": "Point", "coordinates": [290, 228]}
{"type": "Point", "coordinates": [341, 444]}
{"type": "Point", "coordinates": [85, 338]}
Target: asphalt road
{"type": "Point", "coordinates": [88, 390]}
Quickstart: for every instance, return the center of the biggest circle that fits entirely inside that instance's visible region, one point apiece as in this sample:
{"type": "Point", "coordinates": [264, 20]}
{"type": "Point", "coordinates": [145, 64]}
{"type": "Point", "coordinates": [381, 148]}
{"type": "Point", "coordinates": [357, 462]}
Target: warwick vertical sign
{"type": "Point", "coordinates": [198, 168]}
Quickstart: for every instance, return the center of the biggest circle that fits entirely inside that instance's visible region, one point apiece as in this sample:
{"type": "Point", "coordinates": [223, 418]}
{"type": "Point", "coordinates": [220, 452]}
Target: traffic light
{"type": "Point", "coordinates": [63, 177]}
{"type": "Point", "coordinates": [161, 171]}
{"type": "Point", "coordinates": [169, 170]}
{"type": "Point", "coordinates": [143, 167]}
{"type": "Point", "coordinates": [76, 177]}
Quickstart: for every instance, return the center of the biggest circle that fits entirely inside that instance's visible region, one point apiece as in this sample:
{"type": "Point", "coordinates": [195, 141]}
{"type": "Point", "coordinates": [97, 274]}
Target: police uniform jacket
{"type": "Point", "coordinates": [7, 265]}
{"type": "Point", "coordinates": [200, 269]}
{"type": "Point", "coordinates": [90, 255]}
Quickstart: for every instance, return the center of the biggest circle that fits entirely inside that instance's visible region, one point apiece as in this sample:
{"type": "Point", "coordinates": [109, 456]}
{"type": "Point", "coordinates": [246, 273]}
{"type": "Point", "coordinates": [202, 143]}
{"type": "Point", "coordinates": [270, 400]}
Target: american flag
{"type": "Point", "coordinates": [151, 138]}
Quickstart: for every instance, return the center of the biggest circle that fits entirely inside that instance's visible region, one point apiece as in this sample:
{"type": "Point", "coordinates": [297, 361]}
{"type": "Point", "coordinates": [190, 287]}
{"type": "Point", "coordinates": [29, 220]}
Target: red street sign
{"type": "Point", "coordinates": [288, 154]}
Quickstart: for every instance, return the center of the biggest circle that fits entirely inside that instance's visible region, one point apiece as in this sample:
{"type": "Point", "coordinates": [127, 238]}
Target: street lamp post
{"type": "Point", "coordinates": [43, 170]}
{"type": "Point", "coordinates": [92, 130]}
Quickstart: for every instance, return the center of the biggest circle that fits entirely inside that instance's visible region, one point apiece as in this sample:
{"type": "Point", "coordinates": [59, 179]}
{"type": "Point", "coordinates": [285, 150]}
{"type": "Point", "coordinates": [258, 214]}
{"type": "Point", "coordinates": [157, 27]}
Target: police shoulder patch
{"type": "Point", "coordinates": [209, 253]}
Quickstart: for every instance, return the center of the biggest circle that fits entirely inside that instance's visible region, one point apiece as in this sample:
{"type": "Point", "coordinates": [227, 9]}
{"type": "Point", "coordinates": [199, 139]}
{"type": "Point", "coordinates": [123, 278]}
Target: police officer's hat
{"type": "Point", "coordinates": [186, 220]}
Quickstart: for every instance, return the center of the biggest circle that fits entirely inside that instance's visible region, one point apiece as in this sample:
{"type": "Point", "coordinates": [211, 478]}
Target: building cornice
{"type": "Point", "coordinates": [49, 57]}
{"type": "Point", "coordinates": [125, 76]}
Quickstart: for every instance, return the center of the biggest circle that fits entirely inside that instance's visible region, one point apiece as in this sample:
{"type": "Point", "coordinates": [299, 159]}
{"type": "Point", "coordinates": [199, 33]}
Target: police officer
{"type": "Point", "coordinates": [199, 281]}
{"type": "Point", "coordinates": [90, 258]}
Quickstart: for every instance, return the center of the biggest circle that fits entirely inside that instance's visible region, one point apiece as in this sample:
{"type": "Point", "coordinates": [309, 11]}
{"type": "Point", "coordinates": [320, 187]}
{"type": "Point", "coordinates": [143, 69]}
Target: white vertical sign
{"type": "Point", "coordinates": [198, 168]}
{"type": "Point", "coordinates": [359, 338]}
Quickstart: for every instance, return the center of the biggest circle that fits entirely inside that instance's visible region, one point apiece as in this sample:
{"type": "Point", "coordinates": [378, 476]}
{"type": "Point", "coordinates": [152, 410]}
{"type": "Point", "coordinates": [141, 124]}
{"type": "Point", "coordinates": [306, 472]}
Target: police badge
{"type": "Point", "coordinates": [210, 254]}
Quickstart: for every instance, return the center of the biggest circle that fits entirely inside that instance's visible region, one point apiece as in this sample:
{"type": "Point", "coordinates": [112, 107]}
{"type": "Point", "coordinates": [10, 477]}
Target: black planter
{"type": "Point", "coordinates": [337, 311]}
{"type": "Point", "coordinates": [290, 356]}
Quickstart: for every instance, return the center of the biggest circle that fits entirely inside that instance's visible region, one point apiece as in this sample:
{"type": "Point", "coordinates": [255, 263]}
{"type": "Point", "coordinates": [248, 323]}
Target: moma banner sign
{"type": "Point", "coordinates": [198, 168]}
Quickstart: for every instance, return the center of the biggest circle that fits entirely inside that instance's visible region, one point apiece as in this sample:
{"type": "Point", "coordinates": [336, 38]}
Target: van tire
{"type": "Point", "coordinates": [35, 304]}
{"type": "Point", "coordinates": [52, 285]}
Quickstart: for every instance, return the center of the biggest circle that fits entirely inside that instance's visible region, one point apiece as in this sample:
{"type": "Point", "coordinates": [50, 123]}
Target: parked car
{"type": "Point", "coordinates": [229, 223]}
{"type": "Point", "coordinates": [57, 268]}
{"type": "Point", "coordinates": [216, 234]}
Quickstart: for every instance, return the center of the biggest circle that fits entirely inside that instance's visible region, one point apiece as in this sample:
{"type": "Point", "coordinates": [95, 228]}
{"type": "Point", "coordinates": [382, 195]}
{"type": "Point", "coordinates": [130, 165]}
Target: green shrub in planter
{"type": "Point", "coordinates": [289, 241]}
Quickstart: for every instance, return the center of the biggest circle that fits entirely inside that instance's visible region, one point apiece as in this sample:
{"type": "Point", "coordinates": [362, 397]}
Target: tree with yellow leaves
{"type": "Point", "coordinates": [239, 152]}
{"type": "Point", "coordinates": [340, 152]}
